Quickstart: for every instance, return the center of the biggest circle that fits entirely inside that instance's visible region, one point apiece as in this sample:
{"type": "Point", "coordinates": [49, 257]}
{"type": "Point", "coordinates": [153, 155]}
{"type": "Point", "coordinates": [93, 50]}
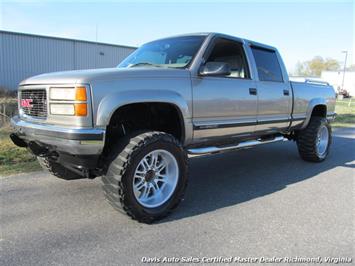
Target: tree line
{"type": "Point", "coordinates": [315, 66]}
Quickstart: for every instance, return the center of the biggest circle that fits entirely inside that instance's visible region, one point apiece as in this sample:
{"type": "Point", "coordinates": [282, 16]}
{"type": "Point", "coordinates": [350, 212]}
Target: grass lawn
{"type": "Point", "coordinates": [14, 159]}
{"type": "Point", "coordinates": [17, 160]}
{"type": "Point", "coordinates": [345, 113]}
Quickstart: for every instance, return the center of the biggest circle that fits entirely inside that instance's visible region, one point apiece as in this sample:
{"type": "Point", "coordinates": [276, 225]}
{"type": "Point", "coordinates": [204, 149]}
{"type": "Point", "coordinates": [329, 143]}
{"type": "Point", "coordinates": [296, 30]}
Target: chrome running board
{"type": "Point", "coordinates": [241, 145]}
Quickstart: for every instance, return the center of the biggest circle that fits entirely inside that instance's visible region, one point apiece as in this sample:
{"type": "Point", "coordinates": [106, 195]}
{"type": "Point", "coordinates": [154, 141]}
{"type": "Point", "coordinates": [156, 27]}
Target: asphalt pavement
{"type": "Point", "coordinates": [257, 203]}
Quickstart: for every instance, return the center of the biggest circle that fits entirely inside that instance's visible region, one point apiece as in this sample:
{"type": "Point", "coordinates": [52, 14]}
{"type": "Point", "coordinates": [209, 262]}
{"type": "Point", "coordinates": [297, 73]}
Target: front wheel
{"type": "Point", "coordinates": [148, 177]}
{"type": "Point", "coordinates": [314, 141]}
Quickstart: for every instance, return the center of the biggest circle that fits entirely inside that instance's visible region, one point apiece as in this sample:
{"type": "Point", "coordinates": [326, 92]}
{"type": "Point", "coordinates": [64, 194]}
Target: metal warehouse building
{"type": "Point", "coordinates": [24, 55]}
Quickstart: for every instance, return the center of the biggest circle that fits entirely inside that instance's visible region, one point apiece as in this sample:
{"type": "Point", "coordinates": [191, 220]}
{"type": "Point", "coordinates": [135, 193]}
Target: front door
{"type": "Point", "coordinates": [225, 105]}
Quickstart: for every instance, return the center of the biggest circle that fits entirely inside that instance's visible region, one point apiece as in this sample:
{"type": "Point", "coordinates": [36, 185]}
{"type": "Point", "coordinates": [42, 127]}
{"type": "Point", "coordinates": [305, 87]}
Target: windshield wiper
{"type": "Point", "coordinates": [144, 64]}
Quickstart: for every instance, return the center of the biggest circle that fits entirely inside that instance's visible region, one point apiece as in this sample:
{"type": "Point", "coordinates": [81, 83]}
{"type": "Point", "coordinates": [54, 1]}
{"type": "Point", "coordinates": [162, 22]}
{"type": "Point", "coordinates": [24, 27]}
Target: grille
{"type": "Point", "coordinates": [34, 102]}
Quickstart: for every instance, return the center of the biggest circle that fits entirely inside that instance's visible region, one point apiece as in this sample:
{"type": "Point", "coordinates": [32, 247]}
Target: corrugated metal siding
{"type": "Point", "coordinates": [24, 55]}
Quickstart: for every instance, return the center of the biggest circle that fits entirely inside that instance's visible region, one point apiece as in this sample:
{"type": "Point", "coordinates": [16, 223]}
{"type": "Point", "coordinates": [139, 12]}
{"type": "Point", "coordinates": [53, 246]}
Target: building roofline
{"type": "Point", "coordinates": [133, 47]}
{"type": "Point", "coordinates": [65, 39]}
{"type": "Point", "coordinates": [339, 71]}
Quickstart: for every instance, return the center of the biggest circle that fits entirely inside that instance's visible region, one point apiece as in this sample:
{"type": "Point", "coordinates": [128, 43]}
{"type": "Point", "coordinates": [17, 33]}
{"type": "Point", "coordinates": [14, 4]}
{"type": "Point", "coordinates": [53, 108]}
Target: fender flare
{"type": "Point", "coordinates": [110, 103]}
{"type": "Point", "coordinates": [312, 103]}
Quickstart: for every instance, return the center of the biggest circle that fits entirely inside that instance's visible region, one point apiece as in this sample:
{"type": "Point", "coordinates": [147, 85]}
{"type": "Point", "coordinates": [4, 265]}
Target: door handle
{"type": "Point", "coordinates": [253, 91]}
{"type": "Point", "coordinates": [286, 92]}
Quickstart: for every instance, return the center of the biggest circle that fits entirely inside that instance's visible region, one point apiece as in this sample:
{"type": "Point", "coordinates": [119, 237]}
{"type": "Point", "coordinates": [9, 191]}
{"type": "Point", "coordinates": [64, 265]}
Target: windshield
{"type": "Point", "coordinates": [172, 52]}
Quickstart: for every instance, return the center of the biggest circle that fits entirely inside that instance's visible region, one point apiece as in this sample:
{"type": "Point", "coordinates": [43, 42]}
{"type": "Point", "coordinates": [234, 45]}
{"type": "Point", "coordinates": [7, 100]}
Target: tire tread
{"type": "Point", "coordinates": [113, 186]}
{"type": "Point", "coordinates": [306, 140]}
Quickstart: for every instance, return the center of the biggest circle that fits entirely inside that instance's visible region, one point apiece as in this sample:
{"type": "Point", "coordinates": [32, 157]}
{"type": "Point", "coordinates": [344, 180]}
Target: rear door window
{"type": "Point", "coordinates": [267, 64]}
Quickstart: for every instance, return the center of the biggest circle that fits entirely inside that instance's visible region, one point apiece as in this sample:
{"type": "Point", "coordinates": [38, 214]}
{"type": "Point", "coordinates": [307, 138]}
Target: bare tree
{"type": "Point", "coordinates": [314, 67]}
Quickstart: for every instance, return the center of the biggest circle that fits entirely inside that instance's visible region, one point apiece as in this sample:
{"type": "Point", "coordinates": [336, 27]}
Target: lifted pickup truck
{"type": "Point", "coordinates": [134, 124]}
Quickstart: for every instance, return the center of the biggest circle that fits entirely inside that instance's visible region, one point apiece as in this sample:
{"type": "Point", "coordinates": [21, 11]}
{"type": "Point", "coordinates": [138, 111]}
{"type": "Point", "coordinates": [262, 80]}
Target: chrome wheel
{"type": "Point", "coordinates": [155, 178]}
{"type": "Point", "coordinates": [322, 140]}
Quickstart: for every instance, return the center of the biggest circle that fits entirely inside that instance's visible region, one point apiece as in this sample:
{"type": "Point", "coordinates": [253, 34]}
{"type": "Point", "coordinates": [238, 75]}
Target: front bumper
{"type": "Point", "coordinates": [75, 141]}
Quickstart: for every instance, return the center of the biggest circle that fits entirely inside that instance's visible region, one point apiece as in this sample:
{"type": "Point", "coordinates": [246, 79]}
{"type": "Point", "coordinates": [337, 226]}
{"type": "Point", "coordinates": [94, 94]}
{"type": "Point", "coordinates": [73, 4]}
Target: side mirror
{"type": "Point", "coordinates": [215, 69]}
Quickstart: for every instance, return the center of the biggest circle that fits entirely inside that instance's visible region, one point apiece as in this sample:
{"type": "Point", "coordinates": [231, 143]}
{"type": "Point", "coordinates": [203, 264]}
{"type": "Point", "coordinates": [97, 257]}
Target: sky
{"type": "Point", "coordinates": [300, 30]}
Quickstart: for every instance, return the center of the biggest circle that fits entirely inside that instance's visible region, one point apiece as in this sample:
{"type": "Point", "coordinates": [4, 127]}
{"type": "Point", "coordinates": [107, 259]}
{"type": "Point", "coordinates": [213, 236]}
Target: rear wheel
{"type": "Point", "coordinates": [148, 177]}
{"type": "Point", "coordinates": [313, 142]}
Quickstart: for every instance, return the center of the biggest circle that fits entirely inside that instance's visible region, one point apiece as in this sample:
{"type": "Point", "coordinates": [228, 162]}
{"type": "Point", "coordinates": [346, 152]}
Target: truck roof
{"type": "Point", "coordinates": [218, 34]}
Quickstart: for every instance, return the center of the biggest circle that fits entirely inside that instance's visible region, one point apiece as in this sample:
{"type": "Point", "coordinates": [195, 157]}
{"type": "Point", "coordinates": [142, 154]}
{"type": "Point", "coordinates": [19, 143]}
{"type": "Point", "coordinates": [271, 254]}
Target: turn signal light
{"type": "Point", "coordinates": [80, 94]}
{"type": "Point", "coordinates": [81, 109]}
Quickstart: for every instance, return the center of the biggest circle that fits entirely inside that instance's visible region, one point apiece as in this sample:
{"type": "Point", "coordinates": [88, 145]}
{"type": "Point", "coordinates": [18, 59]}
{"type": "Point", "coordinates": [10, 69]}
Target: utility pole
{"type": "Point", "coordinates": [346, 57]}
{"type": "Point", "coordinates": [96, 46]}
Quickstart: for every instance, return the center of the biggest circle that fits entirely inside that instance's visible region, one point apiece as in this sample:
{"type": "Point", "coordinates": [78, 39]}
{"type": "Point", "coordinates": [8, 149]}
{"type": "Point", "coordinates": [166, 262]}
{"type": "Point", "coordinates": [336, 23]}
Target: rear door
{"type": "Point", "coordinates": [274, 92]}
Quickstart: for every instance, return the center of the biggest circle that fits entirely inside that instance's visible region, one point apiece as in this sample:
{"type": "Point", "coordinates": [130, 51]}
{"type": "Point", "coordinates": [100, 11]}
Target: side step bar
{"type": "Point", "coordinates": [246, 144]}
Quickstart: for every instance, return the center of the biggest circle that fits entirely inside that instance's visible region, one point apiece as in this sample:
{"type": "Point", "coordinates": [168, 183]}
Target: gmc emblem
{"type": "Point", "coordinates": [26, 103]}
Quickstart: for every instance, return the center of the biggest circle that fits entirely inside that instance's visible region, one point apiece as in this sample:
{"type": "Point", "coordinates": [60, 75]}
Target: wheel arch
{"type": "Point", "coordinates": [316, 106]}
{"type": "Point", "coordinates": [172, 115]}
{"type": "Point", "coordinates": [111, 103]}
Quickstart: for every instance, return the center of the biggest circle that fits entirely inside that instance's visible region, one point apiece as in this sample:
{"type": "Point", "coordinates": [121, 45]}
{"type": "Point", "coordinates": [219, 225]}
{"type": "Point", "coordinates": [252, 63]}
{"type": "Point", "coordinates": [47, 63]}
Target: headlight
{"type": "Point", "coordinates": [77, 109]}
{"type": "Point", "coordinates": [68, 94]}
{"type": "Point", "coordinates": [76, 101]}
{"type": "Point", "coordinates": [62, 94]}
{"type": "Point", "coordinates": [62, 109]}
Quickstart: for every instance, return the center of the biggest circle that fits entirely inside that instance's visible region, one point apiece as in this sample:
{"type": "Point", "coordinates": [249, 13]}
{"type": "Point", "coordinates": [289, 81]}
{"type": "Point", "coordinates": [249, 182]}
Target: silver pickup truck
{"type": "Point", "coordinates": [135, 124]}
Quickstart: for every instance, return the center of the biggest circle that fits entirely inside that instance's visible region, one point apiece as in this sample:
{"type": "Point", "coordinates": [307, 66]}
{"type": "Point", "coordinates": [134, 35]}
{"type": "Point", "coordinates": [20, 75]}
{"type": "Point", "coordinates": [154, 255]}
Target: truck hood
{"type": "Point", "coordinates": [87, 76]}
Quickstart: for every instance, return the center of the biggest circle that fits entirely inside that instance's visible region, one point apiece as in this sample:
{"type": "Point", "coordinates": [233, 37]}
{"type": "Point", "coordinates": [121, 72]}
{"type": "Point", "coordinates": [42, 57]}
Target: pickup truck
{"type": "Point", "coordinates": [134, 125]}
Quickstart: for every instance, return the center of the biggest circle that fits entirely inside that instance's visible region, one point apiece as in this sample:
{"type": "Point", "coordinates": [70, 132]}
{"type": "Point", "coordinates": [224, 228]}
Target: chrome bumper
{"type": "Point", "coordinates": [76, 141]}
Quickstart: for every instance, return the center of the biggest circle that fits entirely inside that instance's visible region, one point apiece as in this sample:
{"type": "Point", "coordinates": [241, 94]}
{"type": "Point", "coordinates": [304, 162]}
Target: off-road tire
{"type": "Point", "coordinates": [57, 169]}
{"type": "Point", "coordinates": [307, 140]}
{"type": "Point", "coordinates": [118, 181]}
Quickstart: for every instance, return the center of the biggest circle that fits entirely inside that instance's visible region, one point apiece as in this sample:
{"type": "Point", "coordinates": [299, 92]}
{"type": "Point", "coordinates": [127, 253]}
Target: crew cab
{"type": "Point", "coordinates": [134, 125]}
